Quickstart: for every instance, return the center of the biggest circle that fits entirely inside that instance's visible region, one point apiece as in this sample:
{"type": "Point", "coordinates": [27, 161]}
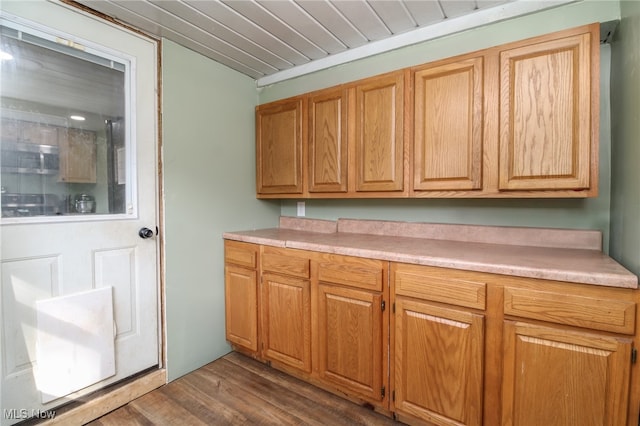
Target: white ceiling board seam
{"type": "Point", "coordinates": [293, 30]}
{"type": "Point", "coordinates": [409, 14]}
{"type": "Point", "coordinates": [380, 20]}
{"type": "Point", "coordinates": [173, 34]}
{"type": "Point", "coordinates": [209, 34]}
{"type": "Point", "coordinates": [178, 37]}
{"type": "Point", "coordinates": [248, 40]}
{"type": "Point", "coordinates": [325, 29]}
{"type": "Point", "coordinates": [441, 7]}
{"type": "Point", "coordinates": [347, 21]}
{"type": "Point", "coordinates": [447, 27]}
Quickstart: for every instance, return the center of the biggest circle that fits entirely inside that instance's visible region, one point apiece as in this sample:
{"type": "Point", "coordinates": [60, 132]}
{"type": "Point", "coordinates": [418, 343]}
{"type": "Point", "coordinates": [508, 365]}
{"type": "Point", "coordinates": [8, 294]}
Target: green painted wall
{"type": "Point", "coordinates": [209, 188]}
{"type": "Point", "coordinates": [587, 213]}
{"type": "Point", "coordinates": [625, 100]}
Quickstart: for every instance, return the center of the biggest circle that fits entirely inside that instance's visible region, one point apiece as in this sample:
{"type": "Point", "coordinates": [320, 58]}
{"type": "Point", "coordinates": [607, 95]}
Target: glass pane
{"type": "Point", "coordinates": [63, 133]}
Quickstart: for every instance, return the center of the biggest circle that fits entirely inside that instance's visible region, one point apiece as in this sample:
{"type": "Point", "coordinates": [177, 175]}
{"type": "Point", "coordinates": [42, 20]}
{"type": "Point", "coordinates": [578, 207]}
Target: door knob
{"type": "Point", "coordinates": [145, 233]}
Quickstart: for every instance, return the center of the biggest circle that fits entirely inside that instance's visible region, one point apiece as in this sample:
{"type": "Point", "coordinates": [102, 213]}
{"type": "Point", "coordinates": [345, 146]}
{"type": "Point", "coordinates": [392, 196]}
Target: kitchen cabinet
{"type": "Point", "coordinates": [286, 308]}
{"type": "Point", "coordinates": [446, 346]}
{"type": "Point", "coordinates": [575, 366]}
{"type": "Point", "coordinates": [328, 141]}
{"type": "Point", "coordinates": [351, 145]}
{"type": "Point", "coordinates": [559, 377]}
{"type": "Point", "coordinates": [322, 318]}
{"type": "Point", "coordinates": [28, 132]}
{"type": "Point", "coordinates": [438, 345]}
{"type": "Point", "coordinates": [38, 133]}
{"type": "Point", "coordinates": [77, 150]}
{"type": "Point", "coordinates": [549, 113]}
{"type": "Point", "coordinates": [447, 125]}
{"type": "Point", "coordinates": [379, 134]}
{"type": "Point", "coordinates": [241, 295]}
{"type": "Point", "coordinates": [39, 148]}
{"type": "Point", "coordinates": [279, 147]}
{"type": "Point", "coordinates": [351, 325]}
{"type": "Point", "coordinates": [520, 120]}
{"type": "Point", "coordinates": [29, 147]}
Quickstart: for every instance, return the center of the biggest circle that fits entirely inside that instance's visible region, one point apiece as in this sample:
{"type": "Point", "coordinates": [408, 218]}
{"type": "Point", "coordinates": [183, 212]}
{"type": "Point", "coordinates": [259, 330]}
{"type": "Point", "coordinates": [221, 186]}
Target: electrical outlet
{"type": "Point", "coordinates": [301, 208]}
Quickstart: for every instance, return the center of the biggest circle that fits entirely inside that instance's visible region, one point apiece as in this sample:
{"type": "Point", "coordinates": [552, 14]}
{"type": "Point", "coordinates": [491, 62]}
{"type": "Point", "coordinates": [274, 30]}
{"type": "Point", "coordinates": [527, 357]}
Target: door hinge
{"type": "Point", "coordinates": [393, 307]}
{"type": "Point", "coordinates": [382, 391]}
{"type": "Point", "coordinates": [383, 305]}
{"type": "Point", "coordinates": [393, 396]}
{"type": "Point", "coordinates": [634, 355]}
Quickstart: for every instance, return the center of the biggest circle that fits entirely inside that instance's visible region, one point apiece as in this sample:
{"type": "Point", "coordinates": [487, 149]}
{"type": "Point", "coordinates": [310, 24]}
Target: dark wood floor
{"type": "Point", "coordinates": [235, 390]}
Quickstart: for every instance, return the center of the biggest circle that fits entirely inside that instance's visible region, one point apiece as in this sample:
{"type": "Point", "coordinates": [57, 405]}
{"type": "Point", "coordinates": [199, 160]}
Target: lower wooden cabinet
{"type": "Point", "coordinates": [568, 354]}
{"type": "Point", "coordinates": [285, 317]}
{"type": "Point", "coordinates": [438, 338]}
{"type": "Point", "coordinates": [555, 376]}
{"type": "Point", "coordinates": [350, 347]}
{"type": "Point", "coordinates": [438, 346]}
{"type": "Point", "coordinates": [241, 295]}
{"type": "Point", "coordinates": [286, 321]}
{"type": "Point", "coordinates": [439, 358]}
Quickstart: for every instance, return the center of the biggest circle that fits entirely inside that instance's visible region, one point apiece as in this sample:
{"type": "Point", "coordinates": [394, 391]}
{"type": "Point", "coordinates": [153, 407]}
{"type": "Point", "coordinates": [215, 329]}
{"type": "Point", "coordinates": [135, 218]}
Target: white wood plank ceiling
{"type": "Point", "coordinates": [273, 40]}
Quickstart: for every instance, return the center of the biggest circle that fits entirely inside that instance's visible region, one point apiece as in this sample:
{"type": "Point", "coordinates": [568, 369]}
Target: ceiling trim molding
{"type": "Point", "coordinates": [447, 27]}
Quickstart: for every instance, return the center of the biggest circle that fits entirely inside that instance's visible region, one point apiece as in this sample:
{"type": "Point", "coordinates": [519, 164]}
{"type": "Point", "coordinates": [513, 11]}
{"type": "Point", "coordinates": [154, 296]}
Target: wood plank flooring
{"type": "Point", "coordinates": [236, 389]}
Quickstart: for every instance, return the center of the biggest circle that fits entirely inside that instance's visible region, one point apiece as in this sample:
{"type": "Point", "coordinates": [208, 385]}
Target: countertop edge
{"type": "Point", "coordinates": [606, 279]}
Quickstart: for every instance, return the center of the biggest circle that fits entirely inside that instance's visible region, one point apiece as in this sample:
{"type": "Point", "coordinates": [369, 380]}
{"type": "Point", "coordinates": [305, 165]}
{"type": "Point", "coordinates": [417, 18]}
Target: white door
{"type": "Point", "coordinates": [75, 194]}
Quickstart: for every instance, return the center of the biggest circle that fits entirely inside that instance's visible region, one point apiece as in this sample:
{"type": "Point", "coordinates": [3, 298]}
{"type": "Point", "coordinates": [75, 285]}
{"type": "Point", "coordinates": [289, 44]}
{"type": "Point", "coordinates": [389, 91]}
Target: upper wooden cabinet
{"type": "Point", "coordinates": [447, 126]}
{"type": "Point", "coordinates": [379, 144]}
{"type": "Point", "coordinates": [279, 147]}
{"type": "Point", "coordinates": [547, 114]}
{"type": "Point", "coordinates": [328, 141]}
{"type": "Point", "coordinates": [77, 155]}
{"type": "Point", "coordinates": [517, 120]}
{"type": "Point", "coordinates": [73, 152]}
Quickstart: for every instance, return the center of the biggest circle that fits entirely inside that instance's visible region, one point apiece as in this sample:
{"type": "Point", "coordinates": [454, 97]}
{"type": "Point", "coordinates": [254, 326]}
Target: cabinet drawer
{"type": "Point", "coordinates": [450, 286]}
{"type": "Point", "coordinates": [242, 254]}
{"type": "Point", "coordinates": [595, 312]}
{"type": "Point", "coordinates": [352, 271]}
{"type": "Point", "coordinates": [285, 261]}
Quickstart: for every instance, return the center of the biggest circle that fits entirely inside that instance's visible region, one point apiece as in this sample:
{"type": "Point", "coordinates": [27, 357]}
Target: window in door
{"type": "Point", "coordinates": [63, 128]}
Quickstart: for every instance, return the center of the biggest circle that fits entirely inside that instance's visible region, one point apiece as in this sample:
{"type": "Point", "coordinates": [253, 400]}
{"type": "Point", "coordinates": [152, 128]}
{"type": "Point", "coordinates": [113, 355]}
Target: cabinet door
{"type": "Point", "coordinates": [438, 363]}
{"type": "Point", "coordinates": [279, 153]}
{"type": "Point", "coordinates": [9, 130]}
{"type": "Point", "coordinates": [37, 133]}
{"type": "Point", "coordinates": [561, 377]}
{"type": "Point", "coordinates": [448, 126]}
{"type": "Point", "coordinates": [379, 134]}
{"type": "Point", "coordinates": [350, 340]}
{"type": "Point", "coordinates": [328, 142]}
{"type": "Point", "coordinates": [241, 306]}
{"type": "Point", "coordinates": [77, 155]}
{"type": "Point", "coordinates": [547, 115]}
{"type": "Point", "coordinates": [286, 321]}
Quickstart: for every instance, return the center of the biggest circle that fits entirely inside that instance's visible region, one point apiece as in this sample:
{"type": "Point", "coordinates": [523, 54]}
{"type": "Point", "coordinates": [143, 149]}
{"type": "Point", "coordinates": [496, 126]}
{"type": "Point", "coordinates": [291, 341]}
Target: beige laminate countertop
{"type": "Point", "coordinates": [525, 252]}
